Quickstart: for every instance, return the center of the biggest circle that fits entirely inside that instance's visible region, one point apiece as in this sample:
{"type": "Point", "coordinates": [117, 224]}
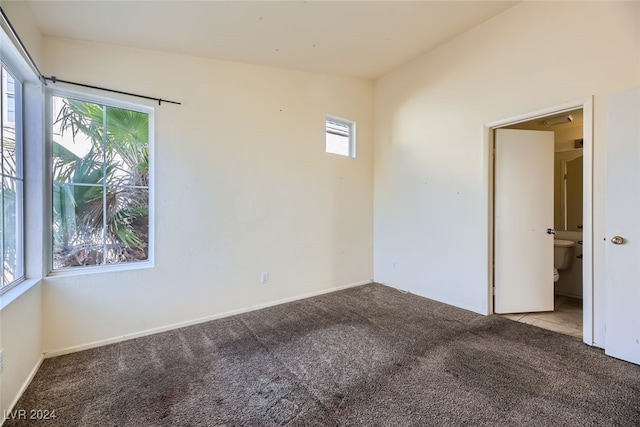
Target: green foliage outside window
{"type": "Point", "coordinates": [100, 165]}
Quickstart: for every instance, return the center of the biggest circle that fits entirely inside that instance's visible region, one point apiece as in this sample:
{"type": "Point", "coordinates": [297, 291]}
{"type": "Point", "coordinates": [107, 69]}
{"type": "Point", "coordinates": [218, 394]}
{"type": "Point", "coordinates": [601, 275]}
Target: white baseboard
{"type": "Point", "coordinates": [73, 349]}
{"type": "Point", "coordinates": [26, 383]}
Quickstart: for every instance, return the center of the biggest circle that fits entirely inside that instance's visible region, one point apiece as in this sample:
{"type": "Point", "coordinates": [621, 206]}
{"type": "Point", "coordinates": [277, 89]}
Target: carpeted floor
{"type": "Point", "coordinates": [366, 356]}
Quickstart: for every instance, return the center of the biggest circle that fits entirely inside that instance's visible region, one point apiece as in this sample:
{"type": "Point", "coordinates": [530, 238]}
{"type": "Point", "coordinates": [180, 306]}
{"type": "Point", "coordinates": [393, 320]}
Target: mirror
{"type": "Point", "coordinates": [568, 190]}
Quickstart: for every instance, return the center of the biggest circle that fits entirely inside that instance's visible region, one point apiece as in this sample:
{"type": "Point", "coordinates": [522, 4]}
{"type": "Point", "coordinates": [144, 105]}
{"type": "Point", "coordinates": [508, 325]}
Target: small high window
{"type": "Point", "coordinates": [340, 136]}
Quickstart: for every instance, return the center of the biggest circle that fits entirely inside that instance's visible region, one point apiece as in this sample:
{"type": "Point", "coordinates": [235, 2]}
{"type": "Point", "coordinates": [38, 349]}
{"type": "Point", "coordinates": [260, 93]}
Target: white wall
{"type": "Point", "coordinates": [21, 334]}
{"type": "Point", "coordinates": [242, 183]}
{"type": "Point", "coordinates": [431, 167]}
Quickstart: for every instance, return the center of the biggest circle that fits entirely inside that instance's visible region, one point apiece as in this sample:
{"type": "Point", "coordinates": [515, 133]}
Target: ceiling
{"type": "Point", "coordinates": [365, 39]}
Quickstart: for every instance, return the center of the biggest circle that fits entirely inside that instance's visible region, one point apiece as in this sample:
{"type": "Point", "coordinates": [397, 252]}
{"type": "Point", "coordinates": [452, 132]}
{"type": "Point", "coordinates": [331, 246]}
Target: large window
{"type": "Point", "coordinates": [11, 222]}
{"type": "Point", "coordinates": [101, 176]}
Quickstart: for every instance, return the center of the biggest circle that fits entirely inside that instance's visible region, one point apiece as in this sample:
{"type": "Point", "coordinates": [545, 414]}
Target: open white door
{"type": "Point", "coordinates": [622, 339]}
{"type": "Point", "coordinates": [523, 250]}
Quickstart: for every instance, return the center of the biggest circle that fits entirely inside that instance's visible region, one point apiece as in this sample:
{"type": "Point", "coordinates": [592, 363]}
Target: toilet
{"type": "Point", "coordinates": [562, 256]}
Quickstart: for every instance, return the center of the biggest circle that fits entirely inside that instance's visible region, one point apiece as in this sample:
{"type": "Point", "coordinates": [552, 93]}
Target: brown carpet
{"type": "Point", "coordinates": [366, 356]}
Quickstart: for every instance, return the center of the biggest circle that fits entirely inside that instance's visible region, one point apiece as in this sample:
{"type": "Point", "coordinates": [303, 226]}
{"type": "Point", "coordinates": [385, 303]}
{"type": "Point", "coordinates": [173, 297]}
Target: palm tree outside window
{"type": "Point", "coordinates": [100, 192]}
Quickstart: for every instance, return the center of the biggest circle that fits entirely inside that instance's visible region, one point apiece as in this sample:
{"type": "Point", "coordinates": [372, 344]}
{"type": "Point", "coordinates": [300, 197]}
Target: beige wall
{"type": "Point", "coordinates": [431, 161]}
{"type": "Point", "coordinates": [21, 19]}
{"type": "Point", "coordinates": [242, 186]}
{"type": "Point", "coordinates": [565, 138]}
{"type": "Point", "coordinates": [20, 324]}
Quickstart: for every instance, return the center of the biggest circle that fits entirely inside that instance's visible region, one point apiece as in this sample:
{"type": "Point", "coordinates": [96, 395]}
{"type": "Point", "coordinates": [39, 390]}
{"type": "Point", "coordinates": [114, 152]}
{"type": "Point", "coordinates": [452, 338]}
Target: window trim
{"type": "Point", "coordinates": [19, 175]}
{"type": "Point", "coordinates": [48, 214]}
{"type": "Point", "coordinates": [29, 104]}
{"type": "Point", "coordinates": [352, 134]}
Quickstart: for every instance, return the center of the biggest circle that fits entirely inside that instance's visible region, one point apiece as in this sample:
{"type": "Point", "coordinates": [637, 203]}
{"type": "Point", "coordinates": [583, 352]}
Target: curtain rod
{"type": "Point", "coordinates": [53, 79]}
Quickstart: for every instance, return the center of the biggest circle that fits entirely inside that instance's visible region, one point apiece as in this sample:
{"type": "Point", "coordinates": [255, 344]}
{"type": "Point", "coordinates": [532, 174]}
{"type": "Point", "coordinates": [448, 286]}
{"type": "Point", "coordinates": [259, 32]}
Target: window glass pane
{"type": "Point", "coordinates": [101, 176]}
{"type": "Point", "coordinates": [339, 137]}
{"type": "Point", "coordinates": [9, 152]}
{"type": "Point", "coordinates": [11, 108]}
{"type": "Point", "coordinates": [129, 224]}
{"type": "Point", "coordinates": [127, 147]}
{"type": "Point", "coordinates": [78, 155]}
{"type": "Point", "coordinates": [337, 144]}
{"type": "Point", "coordinates": [12, 197]}
{"type": "Point", "coordinates": [77, 225]}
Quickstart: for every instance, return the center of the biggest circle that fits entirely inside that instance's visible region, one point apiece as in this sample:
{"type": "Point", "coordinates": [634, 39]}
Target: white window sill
{"type": "Point", "coordinates": [16, 291]}
{"type": "Point", "coordinates": [75, 271]}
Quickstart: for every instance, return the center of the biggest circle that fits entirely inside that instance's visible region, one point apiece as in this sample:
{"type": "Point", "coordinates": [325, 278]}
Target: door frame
{"type": "Point", "coordinates": [587, 203]}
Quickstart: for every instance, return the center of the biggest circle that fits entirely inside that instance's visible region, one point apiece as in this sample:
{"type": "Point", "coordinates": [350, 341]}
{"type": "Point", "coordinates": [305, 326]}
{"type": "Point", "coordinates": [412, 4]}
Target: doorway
{"type": "Point", "coordinates": [572, 298]}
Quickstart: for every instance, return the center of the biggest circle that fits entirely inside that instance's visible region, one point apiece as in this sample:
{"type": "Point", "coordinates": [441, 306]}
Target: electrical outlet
{"type": "Point", "coordinates": [264, 278]}
{"type": "Point", "coordinates": [393, 264]}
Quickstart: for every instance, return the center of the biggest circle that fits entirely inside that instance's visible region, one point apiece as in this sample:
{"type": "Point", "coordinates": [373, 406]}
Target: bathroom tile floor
{"type": "Point", "coordinates": [565, 319]}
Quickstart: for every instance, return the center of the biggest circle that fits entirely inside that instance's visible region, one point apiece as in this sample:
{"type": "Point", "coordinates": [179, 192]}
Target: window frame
{"type": "Point", "coordinates": [19, 176]}
{"type": "Point", "coordinates": [108, 102]}
{"type": "Point", "coordinates": [351, 136]}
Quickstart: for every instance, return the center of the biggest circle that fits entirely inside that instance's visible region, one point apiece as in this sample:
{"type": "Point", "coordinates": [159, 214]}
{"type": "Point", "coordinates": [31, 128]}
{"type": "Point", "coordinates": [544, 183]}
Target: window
{"type": "Point", "coordinates": [11, 222]}
{"type": "Point", "coordinates": [341, 136]}
{"type": "Point", "coordinates": [100, 170]}
{"type": "Point", "coordinates": [8, 98]}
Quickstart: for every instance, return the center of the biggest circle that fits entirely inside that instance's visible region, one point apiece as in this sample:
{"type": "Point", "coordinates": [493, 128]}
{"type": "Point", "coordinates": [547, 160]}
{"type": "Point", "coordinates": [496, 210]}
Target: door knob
{"type": "Point", "coordinates": [617, 240]}
{"type": "Point", "coordinates": [551, 231]}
